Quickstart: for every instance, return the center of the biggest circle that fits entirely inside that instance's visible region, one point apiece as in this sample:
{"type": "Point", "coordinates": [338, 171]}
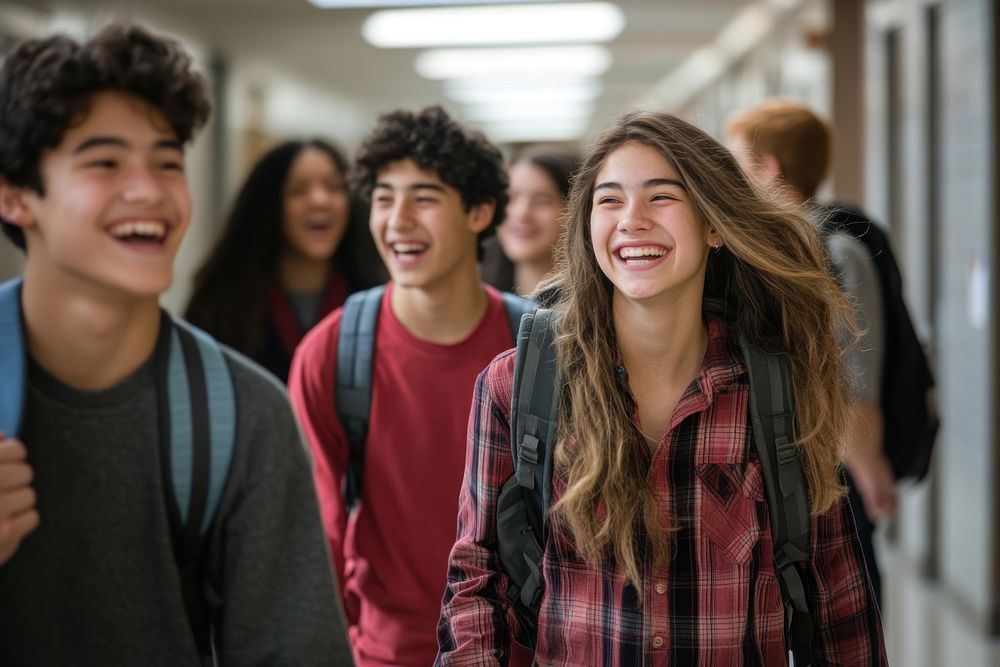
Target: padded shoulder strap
{"type": "Point", "coordinates": [534, 412]}
{"type": "Point", "coordinates": [772, 414]}
{"type": "Point", "coordinates": [202, 411]}
{"type": "Point", "coordinates": [197, 422]}
{"type": "Point", "coordinates": [353, 390]}
{"type": "Point", "coordinates": [13, 359]}
{"type": "Point", "coordinates": [526, 495]}
{"type": "Point", "coordinates": [516, 307]}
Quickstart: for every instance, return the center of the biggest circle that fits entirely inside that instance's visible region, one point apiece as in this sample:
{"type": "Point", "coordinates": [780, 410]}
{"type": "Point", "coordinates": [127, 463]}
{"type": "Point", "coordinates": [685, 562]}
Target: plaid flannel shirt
{"type": "Point", "coordinates": [717, 600]}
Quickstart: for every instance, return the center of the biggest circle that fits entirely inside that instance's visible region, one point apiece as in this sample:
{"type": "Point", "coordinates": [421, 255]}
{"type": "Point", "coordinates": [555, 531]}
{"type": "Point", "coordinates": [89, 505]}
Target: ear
{"type": "Point", "coordinates": [14, 204]}
{"type": "Point", "coordinates": [481, 215]}
{"type": "Point", "coordinates": [771, 167]}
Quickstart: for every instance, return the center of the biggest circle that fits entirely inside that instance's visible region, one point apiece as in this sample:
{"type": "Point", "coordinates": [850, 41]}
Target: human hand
{"type": "Point", "coordinates": [864, 457]}
{"type": "Point", "coordinates": [18, 516]}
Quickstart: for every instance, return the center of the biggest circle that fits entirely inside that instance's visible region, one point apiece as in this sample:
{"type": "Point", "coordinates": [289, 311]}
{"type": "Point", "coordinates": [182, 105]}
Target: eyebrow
{"type": "Point", "coordinates": [416, 186]}
{"type": "Point", "coordinates": [651, 183]}
{"type": "Point", "coordinates": [118, 142]}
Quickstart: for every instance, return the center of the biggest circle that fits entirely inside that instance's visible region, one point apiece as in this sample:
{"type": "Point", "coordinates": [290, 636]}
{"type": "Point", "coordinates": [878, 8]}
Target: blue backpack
{"type": "Point", "coordinates": [196, 420]}
{"type": "Point", "coordinates": [355, 354]}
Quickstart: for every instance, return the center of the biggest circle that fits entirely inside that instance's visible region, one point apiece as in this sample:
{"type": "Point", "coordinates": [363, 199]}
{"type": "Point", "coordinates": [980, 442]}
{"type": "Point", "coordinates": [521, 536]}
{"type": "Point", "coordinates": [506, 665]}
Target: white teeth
{"type": "Point", "coordinates": [646, 251]}
{"type": "Point", "coordinates": [153, 229]}
{"type": "Point", "coordinates": [408, 247]}
{"type": "Point", "coordinates": [148, 229]}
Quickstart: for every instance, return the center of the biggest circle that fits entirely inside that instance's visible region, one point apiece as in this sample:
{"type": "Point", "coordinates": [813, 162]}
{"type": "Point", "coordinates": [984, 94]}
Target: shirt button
{"type": "Point", "coordinates": [661, 588]}
{"type": "Point", "coordinates": [657, 642]}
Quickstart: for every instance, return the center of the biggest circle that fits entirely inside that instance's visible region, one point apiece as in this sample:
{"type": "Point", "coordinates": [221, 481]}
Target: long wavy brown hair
{"type": "Point", "coordinates": [769, 280]}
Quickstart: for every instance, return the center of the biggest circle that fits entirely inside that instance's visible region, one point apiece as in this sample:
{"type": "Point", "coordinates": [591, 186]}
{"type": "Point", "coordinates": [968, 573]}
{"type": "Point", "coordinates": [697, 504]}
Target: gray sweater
{"type": "Point", "coordinates": [858, 277]}
{"type": "Point", "coordinates": [97, 584]}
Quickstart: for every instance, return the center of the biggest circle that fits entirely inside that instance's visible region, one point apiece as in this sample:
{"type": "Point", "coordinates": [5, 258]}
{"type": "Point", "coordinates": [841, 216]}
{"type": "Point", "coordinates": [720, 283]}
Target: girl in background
{"type": "Point", "coordinates": [294, 246]}
{"type": "Point", "coordinates": [521, 255]}
{"type": "Point", "coordinates": [659, 548]}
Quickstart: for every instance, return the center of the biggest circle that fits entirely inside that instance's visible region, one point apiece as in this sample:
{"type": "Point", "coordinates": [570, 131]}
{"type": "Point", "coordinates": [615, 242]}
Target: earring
{"type": "Point", "coordinates": [717, 245]}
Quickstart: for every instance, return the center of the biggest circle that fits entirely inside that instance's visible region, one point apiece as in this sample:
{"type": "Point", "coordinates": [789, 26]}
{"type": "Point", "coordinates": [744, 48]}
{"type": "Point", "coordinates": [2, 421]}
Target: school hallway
{"type": "Point", "coordinates": [912, 88]}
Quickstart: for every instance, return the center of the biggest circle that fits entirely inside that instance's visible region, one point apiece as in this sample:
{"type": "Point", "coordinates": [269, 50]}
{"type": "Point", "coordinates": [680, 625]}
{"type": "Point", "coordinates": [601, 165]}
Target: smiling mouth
{"type": "Point", "coordinates": [407, 249]}
{"type": "Point", "coordinates": [142, 232]}
{"type": "Point", "coordinates": [641, 255]}
{"type": "Point", "coordinates": [525, 234]}
{"type": "Point", "coordinates": [318, 225]}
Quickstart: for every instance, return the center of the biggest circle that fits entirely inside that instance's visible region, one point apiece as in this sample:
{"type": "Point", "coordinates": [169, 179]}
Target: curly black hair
{"type": "Point", "coordinates": [462, 159]}
{"type": "Point", "coordinates": [46, 85]}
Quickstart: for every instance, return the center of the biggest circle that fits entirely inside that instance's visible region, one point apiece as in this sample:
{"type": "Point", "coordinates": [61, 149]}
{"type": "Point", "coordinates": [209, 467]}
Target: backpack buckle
{"type": "Point", "coordinates": [527, 460]}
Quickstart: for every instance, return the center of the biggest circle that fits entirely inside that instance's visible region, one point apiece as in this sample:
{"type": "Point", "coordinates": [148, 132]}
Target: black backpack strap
{"type": "Point", "coordinates": [196, 417]}
{"type": "Point", "coordinates": [522, 507]}
{"type": "Point", "coordinates": [353, 390]}
{"type": "Point", "coordinates": [772, 414]}
{"type": "Point", "coordinates": [534, 410]}
{"type": "Point", "coordinates": [516, 306]}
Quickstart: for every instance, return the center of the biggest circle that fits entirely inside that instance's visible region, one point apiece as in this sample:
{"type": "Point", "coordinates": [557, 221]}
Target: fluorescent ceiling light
{"type": "Point", "coordinates": [373, 4]}
{"type": "Point", "coordinates": [534, 131]}
{"type": "Point", "coordinates": [548, 61]}
{"type": "Point", "coordinates": [750, 27]}
{"type": "Point", "coordinates": [554, 23]}
{"type": "Point", "coordinates": [746, 30]}
{"type": "Point", "coordinates": [705, 63]}
{"type": "Point", "coordinates": [529, 113]}
{"type": "Point", "coordinates": [499, 92]}
{"type": "Point", "coordinates": [692, 75]}
{"type": "Point", "coordinates": [783, 5]}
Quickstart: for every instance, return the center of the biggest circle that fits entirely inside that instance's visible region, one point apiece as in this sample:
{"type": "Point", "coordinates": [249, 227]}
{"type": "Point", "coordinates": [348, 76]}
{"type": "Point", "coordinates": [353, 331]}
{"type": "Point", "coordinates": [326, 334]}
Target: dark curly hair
{"type": "Point", "coordinates": [462, 159]}
{"type": "Point", "coordinates": [46, 85]}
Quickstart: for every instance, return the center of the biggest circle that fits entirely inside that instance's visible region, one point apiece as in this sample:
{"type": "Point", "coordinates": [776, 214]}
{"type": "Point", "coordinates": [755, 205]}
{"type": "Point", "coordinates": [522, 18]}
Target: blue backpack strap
{"type": "Point", "coordinates": [13, 358]}
{"type": "Point", "coordinates": [353, 384]}
{"type": "Point", "coordinates": [516, 306]}
{"type": "Point", "coordinates": [772, 416]}
{"type": "Point", "coordinates": [197, 423]}
{"type": "Point", "coordinates": [211, 413]}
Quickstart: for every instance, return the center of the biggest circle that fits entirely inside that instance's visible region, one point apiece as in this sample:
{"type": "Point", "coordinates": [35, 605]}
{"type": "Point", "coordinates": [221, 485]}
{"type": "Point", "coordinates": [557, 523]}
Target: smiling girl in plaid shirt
{"type": "Point", "coordinates": [659, 549]}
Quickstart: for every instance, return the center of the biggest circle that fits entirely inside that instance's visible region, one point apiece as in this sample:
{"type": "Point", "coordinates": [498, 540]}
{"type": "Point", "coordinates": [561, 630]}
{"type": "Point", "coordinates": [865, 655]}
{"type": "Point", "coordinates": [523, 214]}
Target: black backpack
{"type": "Point", "coordinates": [907, 396]}
{"type": "Point", "coordinates": [522, 506]}
{"type": "Point", "coordinates": [355, 354]}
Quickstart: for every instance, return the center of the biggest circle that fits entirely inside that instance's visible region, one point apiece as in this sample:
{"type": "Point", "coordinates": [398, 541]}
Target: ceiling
{"type": "Point", "coordinates": [325, 46]}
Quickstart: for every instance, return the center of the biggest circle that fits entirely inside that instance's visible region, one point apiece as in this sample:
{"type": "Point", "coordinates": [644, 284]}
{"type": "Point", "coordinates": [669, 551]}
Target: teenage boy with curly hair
{"type": "Point", "coordinates": [92, 186]}
{"type": "Point", "coordinates": [436, 191]}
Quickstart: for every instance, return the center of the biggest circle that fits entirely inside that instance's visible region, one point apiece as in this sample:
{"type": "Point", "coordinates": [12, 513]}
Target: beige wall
{"type": "Point", "coordinates": [939, 202]}
{"type": "Point", "coordinates": [261, 101]}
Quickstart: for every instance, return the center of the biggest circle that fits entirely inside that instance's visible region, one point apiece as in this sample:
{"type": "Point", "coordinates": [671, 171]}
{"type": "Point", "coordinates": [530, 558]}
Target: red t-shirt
{"type": "Point", "coordinates": [391, 558]}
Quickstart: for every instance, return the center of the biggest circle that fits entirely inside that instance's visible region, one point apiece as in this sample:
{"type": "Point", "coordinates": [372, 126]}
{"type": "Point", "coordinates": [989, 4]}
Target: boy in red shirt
{"type": "Point", "coordinates": [436, 191]}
